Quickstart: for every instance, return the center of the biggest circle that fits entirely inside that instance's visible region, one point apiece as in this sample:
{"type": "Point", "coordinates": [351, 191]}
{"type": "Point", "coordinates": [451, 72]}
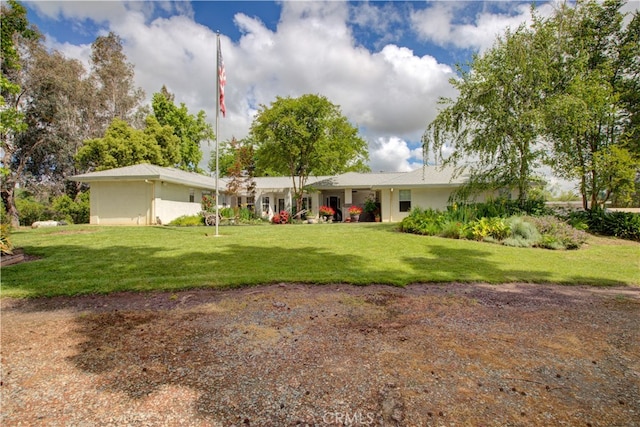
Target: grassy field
{"type": "Point", "coordinates": [90, 259]}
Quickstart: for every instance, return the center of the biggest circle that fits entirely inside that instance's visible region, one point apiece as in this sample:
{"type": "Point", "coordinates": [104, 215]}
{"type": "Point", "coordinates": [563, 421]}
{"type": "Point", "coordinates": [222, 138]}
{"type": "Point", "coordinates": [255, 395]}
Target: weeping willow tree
{"type": "Point", "coordinates": [491, 130]}
{"type": "Point", "coordinates": [561, 92]}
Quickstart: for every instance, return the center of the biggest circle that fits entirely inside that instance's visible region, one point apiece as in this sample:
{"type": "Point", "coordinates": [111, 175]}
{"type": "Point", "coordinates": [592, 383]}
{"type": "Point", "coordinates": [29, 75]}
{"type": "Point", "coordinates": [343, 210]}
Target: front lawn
{"type": "Point", "coordinates": [90, 259]}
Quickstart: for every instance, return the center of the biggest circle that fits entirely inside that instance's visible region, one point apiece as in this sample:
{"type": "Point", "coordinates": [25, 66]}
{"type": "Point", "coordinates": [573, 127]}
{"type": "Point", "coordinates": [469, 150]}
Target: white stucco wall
{"type": "Point", "coordinates": [434, 198]}
{"type": "Point", "coordinates": [168, 210]}
{"type": "Point", "coordinates": [121, 203]}
{"type": "Point", "coordinates": [141, 203]}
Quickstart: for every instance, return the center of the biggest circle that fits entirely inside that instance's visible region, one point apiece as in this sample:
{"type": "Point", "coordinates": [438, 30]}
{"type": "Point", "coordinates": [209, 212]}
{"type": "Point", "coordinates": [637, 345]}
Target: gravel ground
{"type": "Point", "coordinates": [289, 354]}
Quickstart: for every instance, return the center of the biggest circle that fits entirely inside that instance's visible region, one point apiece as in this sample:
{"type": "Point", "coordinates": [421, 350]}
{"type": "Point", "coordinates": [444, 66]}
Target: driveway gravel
{"type": "Point", "coordinates": [339, 355]}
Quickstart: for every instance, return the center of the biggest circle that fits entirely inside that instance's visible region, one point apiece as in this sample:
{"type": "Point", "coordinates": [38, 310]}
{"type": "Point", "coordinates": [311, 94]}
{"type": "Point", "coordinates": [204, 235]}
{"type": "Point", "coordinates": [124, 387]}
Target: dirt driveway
{"type": "Point", "coordinates": [286, 355]}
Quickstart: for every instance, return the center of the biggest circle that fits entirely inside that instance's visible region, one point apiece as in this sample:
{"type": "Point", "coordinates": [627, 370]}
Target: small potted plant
{"type": "Point", "coordinates": [311, 219]}
{"type": "Point", "coordinates": [354, 213]}
{"type": "Point", "coordinates": [370, 205]}
{"type": "Point", "coordinates": [326, 212]}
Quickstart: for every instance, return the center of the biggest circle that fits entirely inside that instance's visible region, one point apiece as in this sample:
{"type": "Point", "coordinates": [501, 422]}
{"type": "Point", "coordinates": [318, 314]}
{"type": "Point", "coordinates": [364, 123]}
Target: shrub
{"type": "Point", "coordinates": [245, 214]}
{"type": "Point", "coordinates": [625, 225]}
{"type": "Point", "coordinates": [276, 219]}
{"type": "Point", "coordinates": [461, 213]}
{"type": "Point", "coordinates": [188, 221]}
{"type": "Point", "coordinates": [502, 207]}
{"type": "Point", "coordinates": [6, 246]}
{"type": "Point", "coordinates": [72, 211]}
{"type": "Point", "coordinates": [495, 228]}
{"type": "Point", "coordinates": [452, 229]}
{"type": "Point", "coordinates": [30, 210]}
{"type": "Point", "coordinates": [423, 221]}
{"type": "Point", "coordinates": [521, 229]}
{"type": "Point", "coordinates": [225, 212]}
{"type": "Point", "coordinates": [557, 234]}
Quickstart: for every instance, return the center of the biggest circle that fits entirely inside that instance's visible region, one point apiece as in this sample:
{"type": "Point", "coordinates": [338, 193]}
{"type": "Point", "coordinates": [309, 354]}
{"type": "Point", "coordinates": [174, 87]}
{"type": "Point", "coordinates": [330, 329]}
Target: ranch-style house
{"type": "Point", "coordinates": [146, 194]}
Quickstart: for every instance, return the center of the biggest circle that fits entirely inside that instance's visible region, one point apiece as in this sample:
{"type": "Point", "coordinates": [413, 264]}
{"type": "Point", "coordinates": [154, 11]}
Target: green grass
{"type": "Point", "coordinates": [90, 259]}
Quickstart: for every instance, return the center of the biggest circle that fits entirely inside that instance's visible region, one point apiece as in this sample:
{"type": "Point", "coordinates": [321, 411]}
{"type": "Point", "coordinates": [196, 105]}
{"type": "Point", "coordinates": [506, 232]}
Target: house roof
{"type": "Point", "coordinates": [280, 183]}
{"type": "Point", "coordinates": [431, 176]}
{"type": "Point", "coordinates": [150, 172]}
{"type": "Point", "coordinates": [354, 180]}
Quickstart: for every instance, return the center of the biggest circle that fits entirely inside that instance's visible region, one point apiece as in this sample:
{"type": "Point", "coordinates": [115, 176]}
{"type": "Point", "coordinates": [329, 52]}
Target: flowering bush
{"type": "Point", "coordinates": [284, 217]}
{"type": "Point", "coordinates": [355, 210]}
{"type": "Point", "coordinates": [326, 211]}
{"type": "Point", "coordinates": [280, 218]}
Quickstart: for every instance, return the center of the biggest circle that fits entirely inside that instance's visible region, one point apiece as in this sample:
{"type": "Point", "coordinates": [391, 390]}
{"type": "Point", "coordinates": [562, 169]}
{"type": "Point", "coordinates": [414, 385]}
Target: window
{"type": "Point", "coordinates": [306, 203]}
{"type": "Point", "coordinates": [265, 204]}
{"type": "Point", "coordinates": [192, 196]}
{"type": "Point", "coordinates": [405, 200]}
{"type": "Point", "coordinates": [280, 205]}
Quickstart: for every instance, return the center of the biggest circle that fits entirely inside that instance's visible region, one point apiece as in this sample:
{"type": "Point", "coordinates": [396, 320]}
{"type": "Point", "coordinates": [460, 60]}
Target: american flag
{"type": "Point", "coordinates": [222, 80]}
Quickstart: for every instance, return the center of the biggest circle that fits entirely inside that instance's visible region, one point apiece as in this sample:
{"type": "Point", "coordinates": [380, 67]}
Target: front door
{"type": "Point", "coordinates": [334, 202]}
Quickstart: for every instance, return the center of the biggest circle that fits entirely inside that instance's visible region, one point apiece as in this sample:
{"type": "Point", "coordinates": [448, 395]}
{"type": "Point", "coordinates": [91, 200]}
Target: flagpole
{"type": "Point", "coordinates": [217, 126]}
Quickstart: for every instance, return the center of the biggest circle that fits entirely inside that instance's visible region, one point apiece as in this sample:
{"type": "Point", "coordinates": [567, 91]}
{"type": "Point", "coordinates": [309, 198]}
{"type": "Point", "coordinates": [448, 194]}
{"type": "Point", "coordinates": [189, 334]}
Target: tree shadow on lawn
{"type": "Point", "coordinates": [72, 270]}
{"type": "Point", "coordinates": [447, 264]}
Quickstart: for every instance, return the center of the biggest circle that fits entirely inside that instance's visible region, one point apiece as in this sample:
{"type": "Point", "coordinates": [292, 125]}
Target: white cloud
{"type": "Point", "coordinates": [385, 21]}
{"type": "Point", "coordinates": [393, 154]}
{"type": "Point", "coordinates": [441, 25]}
{"type": "Point", "coordinates": [96, 11]}
{"type": "Point", "coordinates": [390, 94]}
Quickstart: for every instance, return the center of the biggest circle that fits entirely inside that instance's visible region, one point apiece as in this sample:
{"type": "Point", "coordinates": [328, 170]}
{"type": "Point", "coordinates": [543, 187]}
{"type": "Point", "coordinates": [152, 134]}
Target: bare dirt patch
{"type": "Point", "coordinates": [285, 355]}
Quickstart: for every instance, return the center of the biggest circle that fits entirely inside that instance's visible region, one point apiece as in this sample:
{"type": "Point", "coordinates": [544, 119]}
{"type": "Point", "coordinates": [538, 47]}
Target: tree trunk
{"type": "Point", "coordinates": [9, 202]}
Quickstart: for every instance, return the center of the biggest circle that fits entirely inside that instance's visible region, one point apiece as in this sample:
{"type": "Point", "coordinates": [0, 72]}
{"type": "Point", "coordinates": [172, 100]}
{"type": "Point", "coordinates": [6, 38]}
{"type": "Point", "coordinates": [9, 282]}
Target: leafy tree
{"type": "Point", "coordinates": [13, 25]}
{"type": "Point", "coordinates": [123, 145]}
{"type": "Point", "coordinates": [225, 157]}
{"type": "Point", "coordinates": [563, 91]}
{"type": "Point", "coordinates": [190, 129]}
{"type": "Point", "coordinates": [302, 136]}
{"type": "Point", "coordinates": [592, 104]}
{"type": "Point", "coordinates": [166, 140]}
{"type": "Point", "coordinates": [55, 106]}
{"type": "Point", "coordinates": [616, 173]}
{"type": "Point", "coordinates": [629, 83]}
{"type": "Point", "coordinates": [494, 123]}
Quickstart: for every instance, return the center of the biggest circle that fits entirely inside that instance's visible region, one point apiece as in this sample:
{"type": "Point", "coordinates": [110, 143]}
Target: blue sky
{"type": "Point", "coordinates": [385, 63]}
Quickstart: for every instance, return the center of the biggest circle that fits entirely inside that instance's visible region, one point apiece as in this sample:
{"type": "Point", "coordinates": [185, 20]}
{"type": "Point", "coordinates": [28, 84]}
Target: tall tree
{"type": "Point", "coordinates": [117, 96]}
{"type": "Point", "coordinates": [592, 106]}
{"type": "Point", "coordinates": [13, 25]}
{"type": "Point", "coordinates": [55, 104]}
{"type": "Point", "coordinates": [494, 123]}
{"type": "Point", "coordinates": [303, 136]}
{"type": "Point", "coordinates": [190, 129]}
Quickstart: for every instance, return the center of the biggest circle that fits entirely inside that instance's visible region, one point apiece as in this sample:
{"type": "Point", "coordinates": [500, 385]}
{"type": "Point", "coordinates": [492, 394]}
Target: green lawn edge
{"type": "Point", "coordinates": [77, 260]}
